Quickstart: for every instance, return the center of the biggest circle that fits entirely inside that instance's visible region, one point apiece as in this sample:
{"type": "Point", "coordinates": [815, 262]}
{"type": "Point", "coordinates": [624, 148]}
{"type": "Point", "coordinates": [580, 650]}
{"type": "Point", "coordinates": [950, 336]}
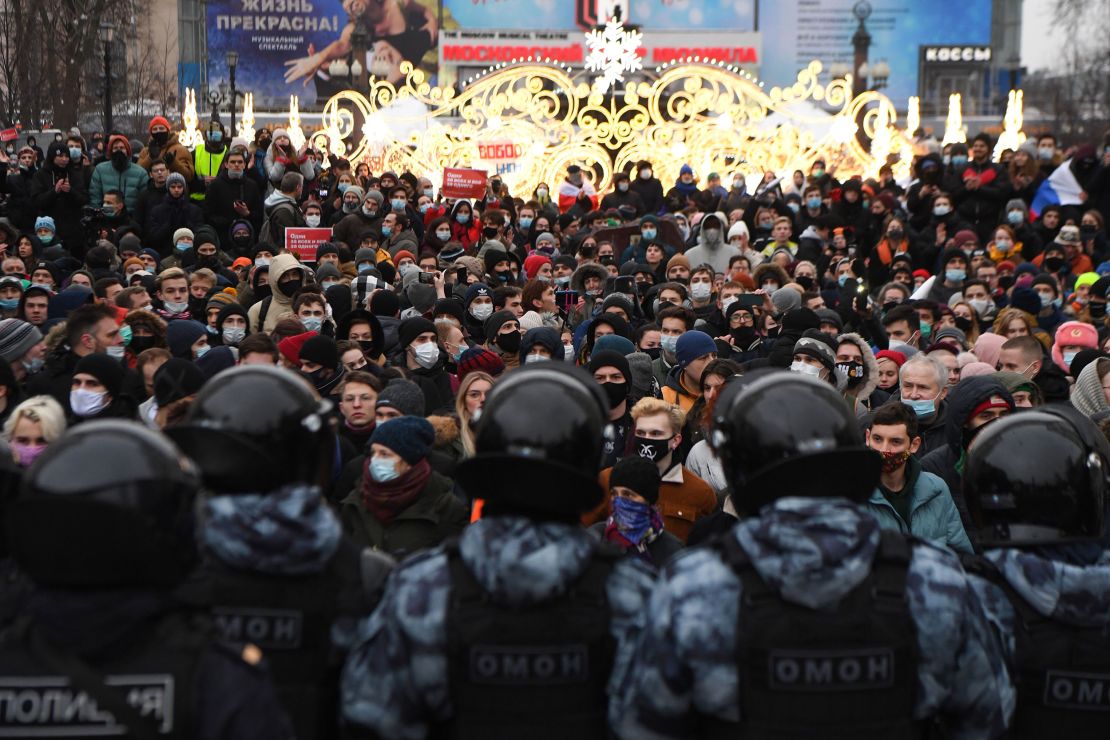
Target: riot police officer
{"type": "Point", "coordinates": [104, 527]}
{"type": "Point", "coordinates": [1035, 485]}
{"type": "Point", "coordinates": [807, 620]}
{"type": "Point", "coordinates": [276, 566]}
{"type": "Point", "coordinates": [525, 625]}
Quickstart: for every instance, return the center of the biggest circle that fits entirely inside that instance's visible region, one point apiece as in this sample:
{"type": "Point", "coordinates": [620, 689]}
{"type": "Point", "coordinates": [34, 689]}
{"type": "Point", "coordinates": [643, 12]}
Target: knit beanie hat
{"type": "Point", "coordinates": [290, 347]}
{"type": "Point", "coordinates": [530, 320]}
{"type": "Point", "coordinates": [829, 316]}
{"type": "Point", "coordinates": [176, 379]}
{"type": "Point", "coordinates": [326, 248]}
{"type": "Point", "coordinates": [403, 395]}
{"type": "Point", "coordinates": [45, 222]}
{"type": "Point", "coordinates": [691, 346]}
{"type": "Point", "coordinates": [322, 351]}
{"type": "Point", "coordinates": [409, 436]}
{"type": "Point", "coordinates": [609, 358]}
{"type": "Point", "coordinates": [894, 356]}
{"type": "Point", "coordinates": [494, 323]}
{"type": "Point", "coordinates": [678, 259]}
{"type": "Point", "coordinates": [385, 303]}
{"type": "Point", "coordinates": [615, 343]}
{"type": "Point", "coordinates": [327, 271]}
{"type": "Point", "coordinates": [451, 307]}
{"type": "Point", "coordinates": [545, 337]}
{"type": "Point", "coordinates": [411, 328]}
{"type": "Point", "coordinates": [480, 359]}
{"type": "Point", "coordinates": [180, 336]}
{"type": "Point", "coordinates": [219, 300]}
{"type": "Point", "coordinates": [422, 296]}
{"type": "Point", "coordinates": [182, 233]}
{"type": "Point", "coordinates": [107, 370]}
{"type": "Point", "coordinates": [637, 475]}
{"type": "Point", "coordinates": [533, 263]}
{"type": "Point", "coordinates": [477, 290]}
{"type": "Point", "coordinates": [819, 346]}
{"type": "Point", "coordinates": [17, 337]}
{"type": "Point", "coordinates": [176, 177]}
{"type": "Point", "coordinates": [1026, 300]}
{"type": "Point", "coordinates": [785, 299]}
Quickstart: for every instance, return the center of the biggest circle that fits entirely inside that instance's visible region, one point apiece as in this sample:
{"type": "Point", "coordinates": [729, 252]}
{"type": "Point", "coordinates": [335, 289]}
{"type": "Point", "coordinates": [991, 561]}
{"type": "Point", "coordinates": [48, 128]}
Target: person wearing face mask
{"type": "Point", "coordinates": [418, 348]}
{"type": "Point", "coordinates": [611, 371]}
{"type": "Point", "coordinates": [21, 211]}
{"type": "Point", "coordinates": [979, 187]}
{"type": "Point", "coordinates": [574, 188]}
{"type": "Point", "coordinates": [645, 184]}
{"type": "Point", "coordinates": [908, 499]}
{"type": "Point", "coordinates": [479, 307]}
{"type": "Point", "coordinates": [118, 173]}
{"type": "Point", "coordinates": [815, 355]}
{"type": "Point", "coordinates": [1071, 338]}
{"type": "Point", "coordinates": [711, 247]}
{"type": "Point", "coordinates": [950, 279]}
{"type": "Point", "coordinates": [635, 524]}
{"type": "Point", "coordinates": [541, 344]}
{"type": "Point", "coordinates": [401, 505]}
{"type": "Point", "coordinates": [32, 426]}
{"type": "Point", "coordinates": [58, 192]}
{"type": "Point", "coordinates": [231, 325]}
{"type": "Point", "coordinates": [923, 387]}
{"type": "Point", "coordinates": [685, 188]}
{"type": "Point", "coordinates": [623, 195]}
{"type": "Point", "coordinates": [856, 362]}
{"type": "Point", "coordinates": [503, 337]}
{"type": "Point", "coordinates": [169, 217]}
{"type": "Point", "coordinates": [589, 281]}
{"type": "Point", "coordinates": [286, 276]}
{"type": "Point", "coordinates": [164, 146]}
{"type": "Point", "coordinates": [97, 391]}
{"type": "Point", "coordinates": [232, 197]}
{"type": "Point", "coordinates": [1047, 289]}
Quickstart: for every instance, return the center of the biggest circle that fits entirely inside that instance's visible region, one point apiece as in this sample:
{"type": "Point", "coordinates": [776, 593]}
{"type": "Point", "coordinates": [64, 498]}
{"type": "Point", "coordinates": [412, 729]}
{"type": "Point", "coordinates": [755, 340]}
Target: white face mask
{"type": "Point", "coordinates": [535, 358]}
{"type": "Point", "coordinates": [805, 369]}
{"type": "Point", "coordinates": [233, 335]}
{"type": "Point", "coordinates": [86, 403]}
{"type": "Point", "coordinates": [700, 291]}
{"type": "Point", "coordinates": [443, 235]}
{"type": "Point", "coordinates": [313, 221]}
{"type": "Point", "coordinates": [116, 351]}
{"type": "Point", "coordinates": [481, 311]}
{"type": "Point", "coordinates": [426, 354]}
{"type": "Point", "coordinates": [727, 302]}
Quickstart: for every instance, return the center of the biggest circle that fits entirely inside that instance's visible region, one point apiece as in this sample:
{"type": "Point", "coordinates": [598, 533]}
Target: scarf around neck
{"type": "Point", "coordinates": [386, 500]}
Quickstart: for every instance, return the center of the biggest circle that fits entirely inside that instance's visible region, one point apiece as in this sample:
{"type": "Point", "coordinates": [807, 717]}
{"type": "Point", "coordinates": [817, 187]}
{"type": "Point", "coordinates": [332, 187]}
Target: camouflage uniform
{"type": "Point", "coordinates": [395, 680]}
{"type": "Point", "coordinates": [814, 551]}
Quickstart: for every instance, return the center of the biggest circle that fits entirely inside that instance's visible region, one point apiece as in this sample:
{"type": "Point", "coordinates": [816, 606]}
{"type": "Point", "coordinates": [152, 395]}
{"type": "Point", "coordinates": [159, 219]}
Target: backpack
{"type": "Point", "coordinates": [268, 233]}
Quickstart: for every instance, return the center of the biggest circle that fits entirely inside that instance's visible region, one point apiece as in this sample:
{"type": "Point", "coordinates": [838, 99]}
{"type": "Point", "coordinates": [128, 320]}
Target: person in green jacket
{"type": "Point", "coordinates": [401, 504]}
{"type": "Point", "coordinates": [908, 499]}
{"type": "Point", "coordinates": [120, 173]}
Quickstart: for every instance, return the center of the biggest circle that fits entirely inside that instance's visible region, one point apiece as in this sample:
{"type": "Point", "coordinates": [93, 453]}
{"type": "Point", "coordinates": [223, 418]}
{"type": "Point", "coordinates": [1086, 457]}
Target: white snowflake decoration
{"type": "Point", "coordinates": [612, 53]}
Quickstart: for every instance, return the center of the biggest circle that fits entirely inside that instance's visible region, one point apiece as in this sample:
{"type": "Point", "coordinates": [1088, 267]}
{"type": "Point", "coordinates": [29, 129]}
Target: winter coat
{"type": "Point", "coordinates": [169, 216]}
{"type": "Point", "coordinates": [219, 210]}
{"type": "Point", "coordinates": [715, 255]}
{"type": "Point", "coordinates": [650, 192]}
{"type": "Point", "coordinates": [21, 210]}
{"type": "Point", "coordinates": [131, 182]}
{"type": "Point", "coordinates": [176, 157]}
{"type": "Point", "coordinates": [279, 303]}
{"type": "Point", "coordinates": [283, 213]}
{"type": "Point", "coordinates": [705, 464]}
{"type": "Point", "coordinates": [933, 514]}
{"type": "Point", "coordinates": [64, 208]}
{"type": "Point", "coordinates": [578, 283]}
{"type": "Point", "coordinates": [660, 550]}
{"type": "Point", "coordinates": [277, 163]}
{"type": "Point", "coordinates": [981, 206]}
{"type": "Point", "coordinates": [683, 499]}
{"type": "Point", "coordinates": [350, 227]}
{"type": "Point", "coordinates": [860, 396]}
{"type": "Point", "coordinates": [434, 516]}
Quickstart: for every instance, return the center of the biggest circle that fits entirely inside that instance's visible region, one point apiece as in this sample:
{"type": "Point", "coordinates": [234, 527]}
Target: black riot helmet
{"type": "Point", "coordinates": [257, 429]}
{"type": "Point", "coordinates": [108, 505]}
{"type": "Point", "coordinates": [539, 444]}
{"type": "Point", "coordinates": [1038, 477]}
{"type": "Point", "coordinates": [782, 434]}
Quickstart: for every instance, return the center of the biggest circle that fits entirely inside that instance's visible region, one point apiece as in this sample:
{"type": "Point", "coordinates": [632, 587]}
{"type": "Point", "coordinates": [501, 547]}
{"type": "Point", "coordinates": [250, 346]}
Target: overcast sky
{"type": "Point", "coordinates": [1040, 39]}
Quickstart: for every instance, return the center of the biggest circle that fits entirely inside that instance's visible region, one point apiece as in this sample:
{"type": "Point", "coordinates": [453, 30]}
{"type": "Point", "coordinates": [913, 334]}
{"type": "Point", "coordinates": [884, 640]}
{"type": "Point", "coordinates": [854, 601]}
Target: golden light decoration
{"type": "Point", "coordinates": [913, 115]}
{"type": "Point", "coordinates": [190, 136]}
{"type": "Point", "coordinates": [954, 132]}
{"type": "Point", "coordinates": [1012, 136]}
{"type": "Point", "coordinates": [296, 133]}
{"type": "Point", "coordinates": [882, 141]}
{"type": "Point", "coordinates": [246, 121]}
{"type": "Point", "coordinates": [529, 119]}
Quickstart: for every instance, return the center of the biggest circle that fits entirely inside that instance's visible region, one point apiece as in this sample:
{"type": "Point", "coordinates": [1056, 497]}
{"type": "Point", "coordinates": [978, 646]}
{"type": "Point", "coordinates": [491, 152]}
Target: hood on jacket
{"type": "Point", "coordinates": [519, 561]}
{"type": "Point", "coordinates": [722, 223]}
{"type": "Point", "coordinates": [1073, 594]}
{"type": "Point", "coordinates": [791, 541]}
{"type": "Point", "coordinates": [870, 365]}
{"type": "Point", "coordinates": [769, 269]}
{"type": "Point", "coordinates": [280, 265]}
{"type": "Point", "coordinates": [578, 279]}
{"type": "Point", "coordinates": [275, 198]}
{"type": "Point", "coordinates": [1087, 395]}
{"type": "Point", "coordinates": [962, 401]}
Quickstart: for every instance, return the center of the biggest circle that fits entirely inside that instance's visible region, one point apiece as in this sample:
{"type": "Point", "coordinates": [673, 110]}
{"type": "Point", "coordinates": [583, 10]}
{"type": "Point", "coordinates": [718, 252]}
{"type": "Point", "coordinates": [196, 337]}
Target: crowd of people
{"type": "Point", "coordinates": [535, 403]}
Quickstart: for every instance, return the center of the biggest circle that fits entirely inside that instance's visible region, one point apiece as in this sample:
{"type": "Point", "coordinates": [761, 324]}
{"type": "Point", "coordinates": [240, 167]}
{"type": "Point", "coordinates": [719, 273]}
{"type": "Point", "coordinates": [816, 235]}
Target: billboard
{"type": "Point", "coordinates": [565, 15]}
{"type": "Point", "coordinates": [315, 48]}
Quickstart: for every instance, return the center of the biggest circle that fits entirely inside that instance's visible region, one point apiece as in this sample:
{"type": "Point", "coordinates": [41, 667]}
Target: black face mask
{"type": "Point", "coordinates": [241, 240]}
{"type": "Point", "coordinates": [805, 281]}
{"type": "Point", "coordinates": [291, 287]}
{"type": "Point", "coordinates": [489, 232]}
{"type": "Point", "coordinates": [772, 333]}
{"type": "Point", "coordinates": [653, 450]}
{"type": "Point", "coordinates": [141, 344]}
{"type": "Point", "coordinates": [1098, 310]}
{"type": "Point", "coordinates": [743, 337]}
{"type": "Point", "coordinates": [263, 291]}
{"type": "Point", "coordinates": [211, 262]}
{"type": "Point", "coordinates": [617, 393]}
{"type": "Point", "coordinates": [653, 352]}
{"type": "Point", "coordinates": [1052, 264]}
{"type": "Point", "coordinates": [160, 138]}
{"type": "Point", "coordinates": [1005, 282]}
{"type": "Point", "coordinates": [963, 324]}
{"type": "Point", "coordinates": [853, 371]}
{"type": "Point", "coordinates": [509, 343]}
{"type": "Point", "coordinates": [120, 160]}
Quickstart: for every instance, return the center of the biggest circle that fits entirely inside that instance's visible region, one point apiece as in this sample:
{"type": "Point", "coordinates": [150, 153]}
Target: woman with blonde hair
{"type": "Point", "coordinates": [469, 400]}
{"type": "Point", "coordinates": [33, 425]}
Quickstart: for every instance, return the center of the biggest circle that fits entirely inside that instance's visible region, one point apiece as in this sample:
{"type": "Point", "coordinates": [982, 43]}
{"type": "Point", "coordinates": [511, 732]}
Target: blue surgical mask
{"type": "Point", "coordinates": [842, 280]}
{"type": "Point", "coordinates": [398, 204]}
{"type": "Point", "coordinates": [75, 153]}
{"type": "Point", "coordinates": [183, 247]}
{"type": "Point", "coordinates": [215, 136]}
{"type": "Point", "coordinates": [955, 276]}
{"type": "Point", "coordinates": [959, 160]}
{"type": "Point", "coordinates": [425, 207]}
{"type": "Point", "coordinates": [312, 323]}
{"type": "Point", "coordinates": [364, 267]}
{"type": "Point", "coordinates": [429, 192]}
{"type": "Point", "coordinates": [525, 222]}
{"type": "Point", "coordinates": [669, 343]}
{"type": "Point", "coordinates": [342, 187]}
{"type": "Point", "coordinates": [387, 230]}
{"type": "Point", "coordinates": [793, 207]}
{"type": "Point", "coordinates": [463, 218]}
{"type": "Point", "coordinates": [46, 239]}
{"type": "Point", "coordinates": [382, 471]}
{"type": "Point", "coordinates": [648, 233]}
{"type": "Point", "coordinates": [813, 203]}
{"type": "Point", "coordinates": [202, 351]}
{"type": "Point", "coordinates": [1015, 217]}
{"type": "Point", "coordinates": [1069, 357]}
{"type": "Point", "coordinates": [9, 304]}
{"type": "Point", "coordinates": [923, 408]}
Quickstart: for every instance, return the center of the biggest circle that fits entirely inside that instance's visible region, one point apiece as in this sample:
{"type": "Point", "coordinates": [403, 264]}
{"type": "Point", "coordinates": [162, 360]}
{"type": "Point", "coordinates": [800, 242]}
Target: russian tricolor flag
{"type": "Point", "coordinates": [1060, 188]}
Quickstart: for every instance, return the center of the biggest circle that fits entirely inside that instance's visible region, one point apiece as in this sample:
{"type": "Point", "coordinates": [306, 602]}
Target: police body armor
{"type": "Point", "coordinates": [845, 672]}
{"type": "Point", "coordinates": [537, 671]}
{"type": "Point", "coordinates": [145, 689]}
{"type": "Point", "coordinates": [290, 618]}
{"type": "Point", "coordinates": [1062, 671]}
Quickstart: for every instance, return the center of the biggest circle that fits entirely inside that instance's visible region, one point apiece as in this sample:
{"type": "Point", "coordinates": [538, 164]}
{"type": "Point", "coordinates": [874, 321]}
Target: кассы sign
{"type": "Point", "coordinates": [959, 54]}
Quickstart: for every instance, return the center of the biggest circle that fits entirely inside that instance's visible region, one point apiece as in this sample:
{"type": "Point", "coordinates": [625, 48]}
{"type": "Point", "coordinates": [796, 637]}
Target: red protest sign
{"type": "Point", "coordinates": [9, 134]}
{"type": "Point", "coordinates": [463, 183]}
{"type": "Point", "coordinates": [302, 241]}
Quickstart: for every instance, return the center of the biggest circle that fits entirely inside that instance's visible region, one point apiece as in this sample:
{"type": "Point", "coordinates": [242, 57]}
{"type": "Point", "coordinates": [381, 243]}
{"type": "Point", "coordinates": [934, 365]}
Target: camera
{"type": "Point", "coordinates": [428, 278]}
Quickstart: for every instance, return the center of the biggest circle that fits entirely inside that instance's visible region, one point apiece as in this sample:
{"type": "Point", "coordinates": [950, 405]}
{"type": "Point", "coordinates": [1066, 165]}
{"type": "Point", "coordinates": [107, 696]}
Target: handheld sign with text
{"type": "Point", "coordinates": [9, 134]}
{"type": "Point", "coordinates": [463, 183]}
{"type": "Point", "coordinates": [302, 241]}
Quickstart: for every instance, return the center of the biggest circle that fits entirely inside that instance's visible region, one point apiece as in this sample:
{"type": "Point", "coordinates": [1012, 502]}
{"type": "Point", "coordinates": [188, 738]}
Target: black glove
{"type": "Point", "coordinates": [168, 158]}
